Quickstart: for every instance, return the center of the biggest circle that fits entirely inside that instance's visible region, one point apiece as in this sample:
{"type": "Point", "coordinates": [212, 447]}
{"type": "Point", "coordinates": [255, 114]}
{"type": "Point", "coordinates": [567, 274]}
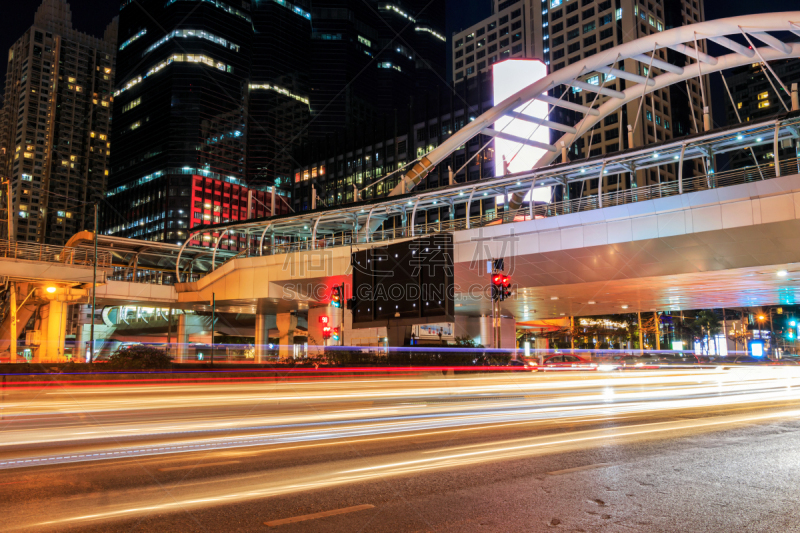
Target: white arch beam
{"type": "Point", "coordinates": [757, 25]}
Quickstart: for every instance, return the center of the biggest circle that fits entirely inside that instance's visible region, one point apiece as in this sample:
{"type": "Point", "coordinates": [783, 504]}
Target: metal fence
{"type": "Point", "coordinates": [31, 251]}
{"type": "Point", "coordinates": [577, 205]}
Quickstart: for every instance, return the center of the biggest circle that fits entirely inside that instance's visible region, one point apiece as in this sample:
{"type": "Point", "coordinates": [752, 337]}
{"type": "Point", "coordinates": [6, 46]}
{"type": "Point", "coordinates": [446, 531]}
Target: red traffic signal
{"type": "Point", "coordinates": [324, 319]}
{"type": "Point", "coordinates": [506, 281]}
{"type": "Point", "coordinates": [497, 279]}
{"type": "Point", "coordinates": [326, 332]}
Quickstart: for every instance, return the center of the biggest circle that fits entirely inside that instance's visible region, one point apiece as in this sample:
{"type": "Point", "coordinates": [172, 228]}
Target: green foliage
{"type": "Point", "coordinates": [416, 357]}
{"type": "Point", "coordinates": [139, 357]}
{"type": "Point", "coordinates": [466, 342]}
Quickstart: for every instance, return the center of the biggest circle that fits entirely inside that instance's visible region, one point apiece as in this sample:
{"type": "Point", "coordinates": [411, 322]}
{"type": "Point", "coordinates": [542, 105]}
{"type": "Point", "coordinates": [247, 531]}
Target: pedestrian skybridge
{"type": "Point", "coordinates": [405, 216]}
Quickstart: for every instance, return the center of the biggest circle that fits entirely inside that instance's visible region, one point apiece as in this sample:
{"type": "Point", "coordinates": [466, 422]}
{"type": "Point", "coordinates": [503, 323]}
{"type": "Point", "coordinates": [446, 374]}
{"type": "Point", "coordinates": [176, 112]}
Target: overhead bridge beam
{"type": "Point", "coordinates": [691, 52]}
{"type": "Point", "coordinates": [630, 76]}
{"type": "Point", "coordinates": [663, 65]}
{"type": "Point", "coordinates": [542, 122]}
{"type": "Point", "coordinates": [772, 42]}
{"type": "Point", "coordinates": [605, 91]}
{"type": "Point", "coordinates": [568, 105]}
{"type": "Point", "coordinates": [517, 139]}
{"type": "Point", "coordinates": [733, 46]}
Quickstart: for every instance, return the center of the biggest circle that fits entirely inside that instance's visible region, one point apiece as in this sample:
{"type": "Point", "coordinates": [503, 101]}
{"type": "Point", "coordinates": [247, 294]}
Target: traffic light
{"type": "Point", "coordinates": [335, 335]}
{"type": "Point", "coordinates": [326, 332]}
{"type": "Point", "coordinates": [497, 287]}
{"type": "Point", "coordinates": [324, 319]}
{"type": "Point", "coordinates": [505, 292]}
{"type": "Point", "coordinates": [336, 296]}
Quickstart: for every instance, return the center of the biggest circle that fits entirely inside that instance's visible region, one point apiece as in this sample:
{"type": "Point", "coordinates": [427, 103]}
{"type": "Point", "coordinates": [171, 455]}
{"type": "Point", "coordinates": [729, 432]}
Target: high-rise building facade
{"type": "Point", "coordinates": [371, 58]}
{"type": "Point", "coordinates": [193, 89]}
{"type": "Point", "coordinates": [504, 35]}
{"type": "Point", "coordinates": [225, 91]}
{"type": "Point", "coordinates": [562, 32]}
{"type": "Point", "coordinates": [755, 98]}
{"type": "Point", "coordinates": [368, 162]}
{"type": "Point", "coordinates": [56, 123]}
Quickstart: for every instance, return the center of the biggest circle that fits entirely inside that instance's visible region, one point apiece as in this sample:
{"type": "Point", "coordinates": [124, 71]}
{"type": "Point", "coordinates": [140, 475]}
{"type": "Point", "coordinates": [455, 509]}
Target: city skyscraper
{"type": "Point", "coordinates": [55, 124]}
{"type": "Point", "coordinates": [371, 59]}
{"type": "Point", "coordinates": [215, 99]}
{"type": "Point", "coordinates": [194, 88]}
{"type": "Point", "coordinates": [754, 98]}
{"type": "Point", "coordinates": [562, 32]}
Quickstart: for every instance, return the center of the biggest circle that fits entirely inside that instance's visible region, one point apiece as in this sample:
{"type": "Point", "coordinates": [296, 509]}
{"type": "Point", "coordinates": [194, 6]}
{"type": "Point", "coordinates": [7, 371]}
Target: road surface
{"type": "Point", "coordinates": [689, 450]}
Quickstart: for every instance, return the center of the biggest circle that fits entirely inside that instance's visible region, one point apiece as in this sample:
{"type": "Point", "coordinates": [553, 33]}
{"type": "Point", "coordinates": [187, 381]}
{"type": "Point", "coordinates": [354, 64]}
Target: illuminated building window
{"type": "Point", "coordinates": [762, 105]}
{"type": "Point", "coordinates": [763, 96]}
{"type": "Point", "coordinates": [130, 105]}
{"type": "Point", "coordinates": [124, 45]}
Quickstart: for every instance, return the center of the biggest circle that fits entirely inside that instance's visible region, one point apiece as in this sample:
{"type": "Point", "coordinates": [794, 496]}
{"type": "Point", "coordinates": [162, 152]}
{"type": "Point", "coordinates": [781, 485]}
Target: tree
{"type": "Point", "coordinates": [706, 325]}
{"type": "Point", "coordinates": [466, 342]}
{"type": "Point", "coordinates": [139, 357]}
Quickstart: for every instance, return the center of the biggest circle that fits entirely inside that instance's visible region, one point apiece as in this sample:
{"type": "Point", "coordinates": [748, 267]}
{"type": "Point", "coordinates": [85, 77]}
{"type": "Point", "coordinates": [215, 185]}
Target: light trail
{"type": "Point", "coordinates": [411, 407]}
{"type": "Point", "coordinates": [226, 491]}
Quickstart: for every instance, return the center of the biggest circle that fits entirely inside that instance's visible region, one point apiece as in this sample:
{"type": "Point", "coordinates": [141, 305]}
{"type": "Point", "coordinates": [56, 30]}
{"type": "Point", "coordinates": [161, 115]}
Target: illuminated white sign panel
{"type": "Point", "coordinates": [509, 77]}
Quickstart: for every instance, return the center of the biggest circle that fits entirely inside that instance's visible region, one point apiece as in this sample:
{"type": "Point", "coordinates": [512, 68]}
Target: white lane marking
{"type": "Point", "coordinates": [314, 516]}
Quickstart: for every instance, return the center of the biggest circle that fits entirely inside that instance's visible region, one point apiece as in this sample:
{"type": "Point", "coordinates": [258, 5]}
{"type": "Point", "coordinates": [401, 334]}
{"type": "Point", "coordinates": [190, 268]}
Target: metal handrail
{"type": "Point", "coordinates": [32, 251]}
{"type": "Point", "coordinates": [585, 203]}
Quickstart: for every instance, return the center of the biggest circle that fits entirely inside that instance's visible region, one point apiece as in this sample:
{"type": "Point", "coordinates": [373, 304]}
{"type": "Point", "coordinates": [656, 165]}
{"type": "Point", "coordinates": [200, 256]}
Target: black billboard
{"type": "Point", "coordinates": [404, 283]}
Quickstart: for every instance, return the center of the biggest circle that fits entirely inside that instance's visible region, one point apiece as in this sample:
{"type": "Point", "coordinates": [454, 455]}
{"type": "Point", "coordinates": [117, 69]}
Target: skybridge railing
{"type": "Point", "coordinates": [577, 205]}
{"type": "Point", "coordinates": [327, 238]}
{"type": "Point", "coordinates": [48, 253]}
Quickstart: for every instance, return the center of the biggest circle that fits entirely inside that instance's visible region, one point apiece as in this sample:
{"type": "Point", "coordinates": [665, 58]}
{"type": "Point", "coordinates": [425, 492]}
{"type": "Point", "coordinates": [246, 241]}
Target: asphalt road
{"type": "Point", "coordinates": [703, 450]}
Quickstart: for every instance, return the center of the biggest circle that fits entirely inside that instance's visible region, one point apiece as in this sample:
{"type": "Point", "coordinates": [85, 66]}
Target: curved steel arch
{"type": "Point", "coordinates": [754, 26]}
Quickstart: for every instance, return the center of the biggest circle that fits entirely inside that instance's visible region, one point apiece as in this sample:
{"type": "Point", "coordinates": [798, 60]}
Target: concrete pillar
{"type": "Point", "coordinates": [286, 323]}
{"type": "Point", "coordinates": [81, 339]}
{"type": "Point", "coordinates": [13, 318]}
{"type": "Point", "coordinates": [487, 329]}
{"type": "Point", "coordinates": [641, 334]}
{"type": "Point", "coordinates": [658, 331]}
{"type": "Point", "coordinates": [182, 340]}
{"type": "Point", "coordinates": [262, 338]}
{"type": "Point", "coordinates": [572, 332]}
{"type": "Point", "coordinates": [54, 329]}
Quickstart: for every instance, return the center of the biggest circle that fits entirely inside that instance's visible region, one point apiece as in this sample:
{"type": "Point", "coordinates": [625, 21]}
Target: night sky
{"type": "Point", "coordinates": [92, 16]}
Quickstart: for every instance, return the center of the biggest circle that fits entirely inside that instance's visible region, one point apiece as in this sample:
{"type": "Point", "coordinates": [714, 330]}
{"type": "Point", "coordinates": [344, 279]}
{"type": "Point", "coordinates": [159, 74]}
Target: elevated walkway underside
{"type": "Point", "coordinates": [720, 247]}
{"type": "Point", "coordinates": [729, 247]}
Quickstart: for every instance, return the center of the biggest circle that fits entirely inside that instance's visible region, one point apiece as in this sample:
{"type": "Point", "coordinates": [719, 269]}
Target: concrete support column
{"type": "Point", "coordinates": [13, 318]}
{"type": "Point", "coordinates": [572, 332]}
{"type": "Point", "coordinates": [487, 330]}
{"type": "Point", "coordinates": [262, 337]}
{"type": "Point", "coordinates": [658, 330]}
{"type": "Point", "coordinates": [81, 338]}
{"type": "Point", "coordinates": [641, 333]}
{"type": "Point", "coordinates": [54, 329]}
{"type": "Point", "coordinates": [286, 323]}
{"type": "Point", "coordinates": [182, 340]}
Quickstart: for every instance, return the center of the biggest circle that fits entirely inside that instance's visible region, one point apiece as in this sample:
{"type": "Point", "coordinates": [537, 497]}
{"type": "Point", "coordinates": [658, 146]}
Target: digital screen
{"type": "Point", "coordinates": [508, 78]}
{"type": "Point", "coordinates": [404, 283]}
{"type": "Point", "coordinates": [757, 349]}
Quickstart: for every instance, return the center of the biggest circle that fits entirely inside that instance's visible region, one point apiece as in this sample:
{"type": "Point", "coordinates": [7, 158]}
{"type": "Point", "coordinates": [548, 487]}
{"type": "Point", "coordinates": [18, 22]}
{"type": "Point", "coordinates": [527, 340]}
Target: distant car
{"type": "Point", "coordinates": [518, 365]}
{"type": "Point", "coordinates": [679, 358]}
{"type": "Point", "coordinates": [750, 360]}
{"type": "Point", "coordinates": [567, 361]}
{"type": "Point", "coordinates": [620, 361]}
